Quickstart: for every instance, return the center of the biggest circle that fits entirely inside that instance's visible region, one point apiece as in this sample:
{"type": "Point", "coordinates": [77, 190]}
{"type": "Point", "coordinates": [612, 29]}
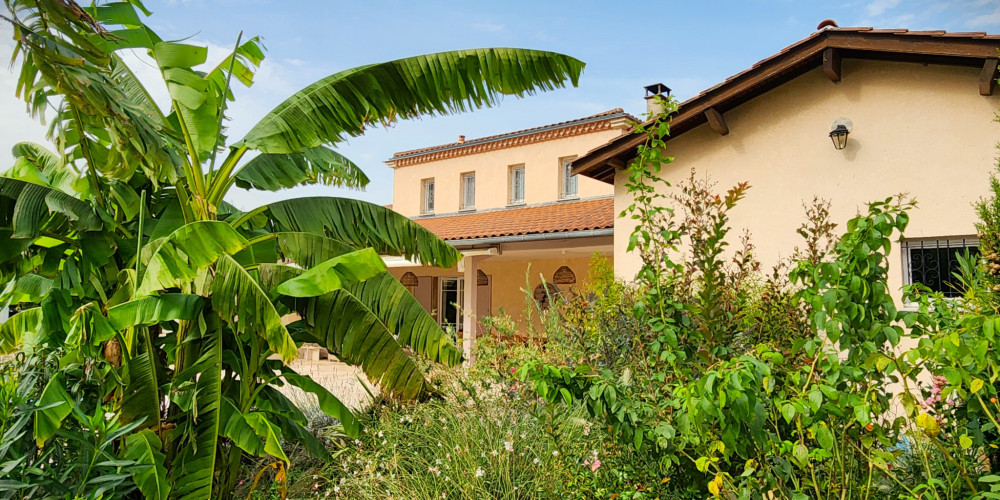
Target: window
{"type": "Point", "coordinates": [567, 180]}
{"type": "Point", "coordinates": [452, 299]}
{"type": "Point", "coordinates": [428, 196]}
{"type": "Point", "coordinates": [517, 184]}
{"type": "Point", "coordinates": [469, 191]}
{"type": "Point", "coordinates": [934, 263]}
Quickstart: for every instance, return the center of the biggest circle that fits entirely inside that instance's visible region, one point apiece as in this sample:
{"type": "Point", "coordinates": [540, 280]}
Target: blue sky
{"type": "Point", "coordinates": [689, 46]}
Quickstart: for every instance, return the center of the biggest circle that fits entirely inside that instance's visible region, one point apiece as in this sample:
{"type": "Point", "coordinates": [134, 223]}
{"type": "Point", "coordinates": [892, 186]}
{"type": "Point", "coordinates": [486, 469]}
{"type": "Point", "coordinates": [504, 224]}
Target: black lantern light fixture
{"type": "Point", "coordinates": [838, 132]}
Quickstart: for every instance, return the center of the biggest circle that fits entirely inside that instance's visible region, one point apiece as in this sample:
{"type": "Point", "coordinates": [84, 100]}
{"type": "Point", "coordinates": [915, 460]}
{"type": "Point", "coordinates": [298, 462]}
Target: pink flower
{"type": "Point", "coordinates": [512, 370]}
{"type": "Point", "coordinates": [596, 464]}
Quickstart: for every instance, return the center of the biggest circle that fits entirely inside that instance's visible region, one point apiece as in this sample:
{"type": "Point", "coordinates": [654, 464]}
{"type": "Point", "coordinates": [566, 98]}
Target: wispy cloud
{"type": "Point", "coordinates": [877, 7]}
{"type": "Point", "coordinates": [489, 27]}
{"type": "Point", "coordinates": [986, 19]}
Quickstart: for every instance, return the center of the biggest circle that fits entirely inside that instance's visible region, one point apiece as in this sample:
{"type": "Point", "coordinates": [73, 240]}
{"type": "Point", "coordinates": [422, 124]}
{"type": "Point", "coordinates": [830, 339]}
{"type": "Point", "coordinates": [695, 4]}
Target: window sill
{"type": "Point", "coordinates": [569, 198]}
{"type": "Point", "coordinates": [516, 204]}
{"type": "Point", "coordinates": [470, 209]}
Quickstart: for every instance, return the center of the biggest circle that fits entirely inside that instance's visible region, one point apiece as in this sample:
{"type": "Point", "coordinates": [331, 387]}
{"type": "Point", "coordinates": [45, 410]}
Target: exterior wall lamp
{"type": "Point", "coordinates": [838, 132]}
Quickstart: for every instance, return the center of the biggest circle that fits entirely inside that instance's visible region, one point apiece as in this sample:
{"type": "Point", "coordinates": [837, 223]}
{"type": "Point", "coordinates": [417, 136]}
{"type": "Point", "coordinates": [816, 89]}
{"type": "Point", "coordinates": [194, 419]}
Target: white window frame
{"type": "Point", "coordinates": [427, 196]}
{"type": "Point", "coordinates": [460, 317]}
{"type": "Point", "coordinates": [931, 243]}
{"type": "Point", "coordinates": [512, 185]}
{"type": "Point", "coordinates": [468, 195]}
{"type": "Point", "coordinates": [569, 184]}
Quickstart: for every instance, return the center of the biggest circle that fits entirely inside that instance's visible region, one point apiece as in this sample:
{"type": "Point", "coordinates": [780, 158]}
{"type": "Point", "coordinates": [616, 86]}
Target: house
{"type": "Point", "coordinates": [922, 104]}
{"type": "Point", "coordinates": [509, 202]}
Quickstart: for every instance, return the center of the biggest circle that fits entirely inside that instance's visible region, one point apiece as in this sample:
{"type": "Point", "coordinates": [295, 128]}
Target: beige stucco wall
{"type": "Point", "coordinates": [541, 171]}
{"type": "Point", "coordinates": [924, 130]}
{"type": "Point", "coordinates": [508, 279]}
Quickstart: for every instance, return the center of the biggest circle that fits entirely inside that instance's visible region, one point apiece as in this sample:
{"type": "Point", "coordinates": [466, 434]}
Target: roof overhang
{"type": "Point", "coordinates": [824, 48]}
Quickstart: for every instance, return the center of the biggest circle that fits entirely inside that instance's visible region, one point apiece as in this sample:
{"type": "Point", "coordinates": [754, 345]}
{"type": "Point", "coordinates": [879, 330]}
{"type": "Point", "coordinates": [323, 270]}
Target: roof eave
{"type": "Point", "coordinates": [602, 162]}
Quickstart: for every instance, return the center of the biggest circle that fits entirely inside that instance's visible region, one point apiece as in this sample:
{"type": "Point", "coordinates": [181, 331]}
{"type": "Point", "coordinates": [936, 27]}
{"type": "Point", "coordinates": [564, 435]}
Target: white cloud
{"type": "Point", "coordinates": [489, 27]}
{"type": "Point", "coordinates": [877, 7]}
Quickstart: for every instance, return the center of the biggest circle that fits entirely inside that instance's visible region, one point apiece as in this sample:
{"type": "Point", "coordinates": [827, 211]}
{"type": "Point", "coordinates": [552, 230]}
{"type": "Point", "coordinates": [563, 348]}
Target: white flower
{"type": "Point", "coordinates": [508, 445]}
{"type": "Point", "coordinates": [379, 433]}
{"type": "Point", "coordinates": [555, 453]}
{"type": "Point", "coordinates": [336, 489]}
{"type": "Point", "coordinates": [536, 461]}
{"type": "Point", "coordinates": [480, 473]}
{"type": "Point", "coordinates": [494, 453]}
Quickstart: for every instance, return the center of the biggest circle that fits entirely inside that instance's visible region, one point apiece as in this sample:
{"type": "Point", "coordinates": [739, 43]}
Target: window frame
{"type": "Point", "coordinates": [425, 207]}
{"type": "Point", "coordinates": [946, 242]}
{"type": "Point", "coordinates": [565, 177]}
{"type": "Point", "coordinates": [463, 194]}
{"type": "Point", "coordinates": [459, 281]}
{"type": "Point", "coordinates": [511, 186]}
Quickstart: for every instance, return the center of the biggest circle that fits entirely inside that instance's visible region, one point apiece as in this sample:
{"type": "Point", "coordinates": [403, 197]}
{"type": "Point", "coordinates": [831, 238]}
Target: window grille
{"type": "Point", "coordinates": [428, 205]}
{"type": "Point", "coordinates": [569, 181]}
{"type": "Point", "coordinates": [517, 184]}
{"type": "Point", "coordinates": [468, 191]}
{"type": "Point", "coordinates": [934, 263]}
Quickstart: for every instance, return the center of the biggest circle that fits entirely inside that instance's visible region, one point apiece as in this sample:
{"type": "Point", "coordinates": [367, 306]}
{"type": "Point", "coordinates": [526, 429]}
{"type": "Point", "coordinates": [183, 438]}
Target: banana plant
{"type": "Point", "coordinates": [119, 252]}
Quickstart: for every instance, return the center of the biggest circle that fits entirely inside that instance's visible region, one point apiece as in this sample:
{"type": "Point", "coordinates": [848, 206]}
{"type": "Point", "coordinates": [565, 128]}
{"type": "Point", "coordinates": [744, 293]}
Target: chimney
{"type": "Point", "coordinates": [461, 139]}
{"type": "Point", "coordinates": [656, 89]}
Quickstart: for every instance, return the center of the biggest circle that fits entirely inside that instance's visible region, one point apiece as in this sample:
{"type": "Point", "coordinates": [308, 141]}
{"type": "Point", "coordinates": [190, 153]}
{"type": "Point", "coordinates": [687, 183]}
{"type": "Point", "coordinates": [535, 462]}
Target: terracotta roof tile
{"type": "Point", "coordinates": [586, 124]}
{"type": "Point", "coordinates": [557, 217]}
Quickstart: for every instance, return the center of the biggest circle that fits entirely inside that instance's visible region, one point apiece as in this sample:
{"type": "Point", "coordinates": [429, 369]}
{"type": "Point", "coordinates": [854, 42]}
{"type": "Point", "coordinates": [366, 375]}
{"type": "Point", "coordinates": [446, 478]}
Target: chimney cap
{"type": "Point", "coordinates": [461, 138]}
{"type": "Point", "coordinates": [656, 89]}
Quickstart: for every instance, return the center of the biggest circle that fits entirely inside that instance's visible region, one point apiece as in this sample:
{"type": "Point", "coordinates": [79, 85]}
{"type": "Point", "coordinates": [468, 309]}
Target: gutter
{"type": "Point", "coordinates": [608, 231]}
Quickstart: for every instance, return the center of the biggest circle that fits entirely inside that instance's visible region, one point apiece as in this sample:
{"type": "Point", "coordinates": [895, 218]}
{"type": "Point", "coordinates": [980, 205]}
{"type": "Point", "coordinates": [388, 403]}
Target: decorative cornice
{"type": "Point", "coordinates": [598, 123]}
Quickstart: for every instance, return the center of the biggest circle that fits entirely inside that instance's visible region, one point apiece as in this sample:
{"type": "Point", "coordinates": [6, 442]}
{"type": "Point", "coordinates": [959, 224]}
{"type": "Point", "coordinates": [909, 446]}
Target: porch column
{"type": "Point", "coordinates": [470, 311]}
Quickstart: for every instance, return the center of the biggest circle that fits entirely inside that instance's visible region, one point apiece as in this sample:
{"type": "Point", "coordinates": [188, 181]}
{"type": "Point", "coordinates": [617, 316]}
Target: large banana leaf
{"type": "Point", "coordinates": [402, 313]}
{"type": "Point", "coordinates": [239, 300]}
{"type": "Point", "coordinates": [27, 288]}
{"type": "Point", "coordinates": [146, 311]}
{"type": "Point", "coordinates": [187, 251]}
{"type": "Point", "coordinates": [271, 172]}
{"type": "Point", "coordinates": [361, 224]}
{"type": "Point", "coordinates": [193, 469]}
{"type": "Point", "coordinates": [196, 102]}
{"type": "Point", "coordinates": [32, 202]}
{"type": "Point", "coordinates": [17, 327]}
{"type": "Point", "coordinates": [247, 430]}
{"type": "Point", "coordinates": [327, 401]}
{"type": "Point", "coordinates": [307, 249]}
{"type": "Point", "coordinates": [144, 447]}
{"type": "Point", "coordinates": [54, 405]}
{"type": "Point", "coordinates": [334, 274]}
{"type": "Point", "coordinates": [346, 103]}
{"type": "Point", "coordinates": [142, 392]}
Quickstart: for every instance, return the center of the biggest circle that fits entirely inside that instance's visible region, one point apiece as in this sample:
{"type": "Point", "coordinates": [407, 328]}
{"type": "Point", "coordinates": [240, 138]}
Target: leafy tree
{"type": "Point", "coordinates": [120, 255]}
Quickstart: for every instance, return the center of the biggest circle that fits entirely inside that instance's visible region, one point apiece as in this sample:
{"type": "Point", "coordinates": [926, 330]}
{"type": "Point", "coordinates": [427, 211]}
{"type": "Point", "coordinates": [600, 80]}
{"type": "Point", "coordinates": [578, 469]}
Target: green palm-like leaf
{"type": "Point", "coordinates": [271, 172]}
{"type": "Point", "coordinates": [146, 311]}
{"type": "Point", "coordinates": [54, 405]}
{"type": "Point", "coordinates": [17, 327]}
{"type": "Point", "coordinates": [361, 225]}
{"type": "Point", "coordinates": [346, 103]}
{"type": "Point", "coordinates": [239, 300]}
{"type": "Point", "coordinates": [193, 469]}
{"type": "Point", "coordinates": [31, 202]}
{"type": "Point", "coordinates": [142, 389]}
{"type": "Point", "coordinates": [402, 313]}
{"type": "Point", "coordinates": [144, 448]}
{"type": "Point", "coordinates": [327, 401]}
{"type": "Point", "coordinates": [334, 274]}
{"type": "Point", "coordinates": [307, 249]}
{"type": "Point", "coordinates": [187, 251]}
{"type": "Point", "coordinates": [27, 288]}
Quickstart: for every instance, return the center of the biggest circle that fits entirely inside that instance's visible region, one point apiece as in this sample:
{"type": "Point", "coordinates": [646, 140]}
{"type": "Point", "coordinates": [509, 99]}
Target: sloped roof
{"type": "Point", "coordinates": [822, 48]}
{"type": "Point", "coordinates": [559, 217]}
{"type": "Point", "coordinates": [593, 123]}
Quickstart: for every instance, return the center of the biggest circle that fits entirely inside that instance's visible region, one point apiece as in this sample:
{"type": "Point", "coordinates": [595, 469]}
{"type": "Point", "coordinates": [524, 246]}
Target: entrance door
{"type": "Point", "coordinates": [451, 299]}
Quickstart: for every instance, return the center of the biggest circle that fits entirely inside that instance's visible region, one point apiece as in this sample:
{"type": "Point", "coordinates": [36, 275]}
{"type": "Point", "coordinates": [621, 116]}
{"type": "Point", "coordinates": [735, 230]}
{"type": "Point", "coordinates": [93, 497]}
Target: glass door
{"type": "Point", "coordinates": [452, 299]}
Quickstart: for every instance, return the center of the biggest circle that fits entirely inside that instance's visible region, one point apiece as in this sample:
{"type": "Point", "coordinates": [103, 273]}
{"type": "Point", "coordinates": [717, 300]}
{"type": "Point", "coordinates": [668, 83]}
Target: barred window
{"type": "Point", "coordinates": [934, 263]}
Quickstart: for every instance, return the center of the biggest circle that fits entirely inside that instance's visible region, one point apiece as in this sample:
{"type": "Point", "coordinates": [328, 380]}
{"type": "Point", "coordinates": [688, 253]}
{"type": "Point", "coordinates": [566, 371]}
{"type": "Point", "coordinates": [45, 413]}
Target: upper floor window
{"type": "Point", "coordinates": [567, 181]}
{"type": "Point", "coordinates": [516, 184]}
{"type": "Point", "coordinates": [935, 263]}
{"type": "Point", "coordinates": [427, 195]}
{"type": "Point", "coordinates": [469, 191]}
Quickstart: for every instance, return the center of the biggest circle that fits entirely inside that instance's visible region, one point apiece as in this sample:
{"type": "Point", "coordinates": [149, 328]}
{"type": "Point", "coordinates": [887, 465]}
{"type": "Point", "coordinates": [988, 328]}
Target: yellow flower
{"type": "Point", "coordinates": [665, 480]}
